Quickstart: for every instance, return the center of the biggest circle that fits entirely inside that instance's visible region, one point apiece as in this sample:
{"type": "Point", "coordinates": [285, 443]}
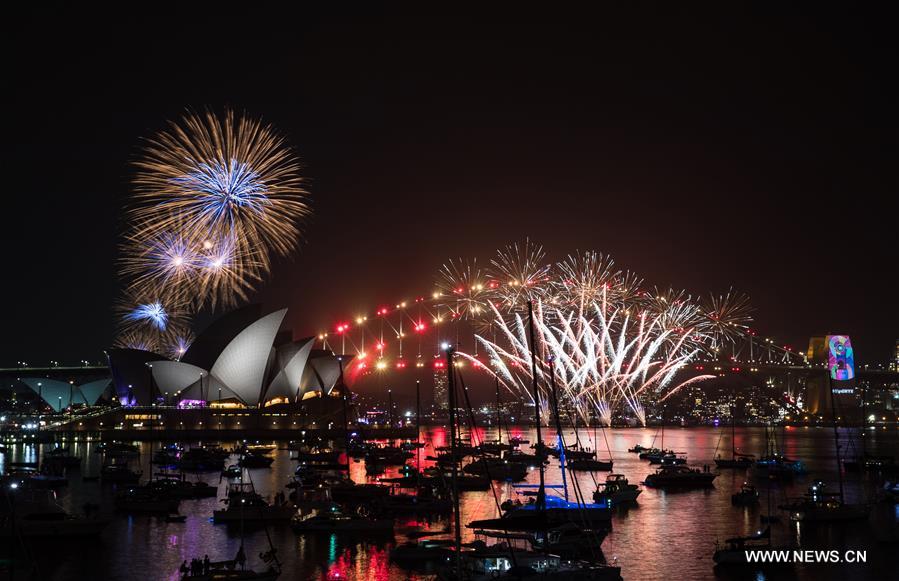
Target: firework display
{"type": "Point", "coordinates": [605, 342]}
{"type": "Point", "coordinates": [216, 197]}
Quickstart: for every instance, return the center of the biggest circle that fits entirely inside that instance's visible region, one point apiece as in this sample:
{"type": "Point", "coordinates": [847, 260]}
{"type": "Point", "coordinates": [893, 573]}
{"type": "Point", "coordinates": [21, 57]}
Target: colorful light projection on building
{"type": "Point", "coordinates": [840, 358]}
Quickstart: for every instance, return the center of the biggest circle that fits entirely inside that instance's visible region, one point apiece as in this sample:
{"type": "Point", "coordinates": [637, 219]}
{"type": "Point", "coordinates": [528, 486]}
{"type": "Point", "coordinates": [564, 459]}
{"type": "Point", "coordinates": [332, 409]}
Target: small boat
{"type": "Point", "coordinates": [666, 458]}
{"type": "Point", "coordinates": [653, 453]}
{"type": "Point", "coordinates": [260, 448]}
{"type": "Point", "coordinates": [747, 496]}
{"type": "Point", "coordinates": [680, 477]}
{"type": "Point", "coordinates": [142, 500]}
{"type": "Point", "coordinates": [255, 460]}
{"type": "Point", "coordinates": [590, 465]}
{"type": "Point", "coordinates": [616, 490]}
{"type": "Point", "coordinates": [820, 506]}
{"type": "Point", "coordinates": [637, 449]}
{"type": "Point", "coordinates": [519, 457]}
{"type": "Point", "coordinates": [497, 469]}
{"type": "Point", "coordinates": [244, 504]}
{"type": "Point", "coordinates": [334, 521]}
{"type": "Point", "coordinates": [734, 551]}
{"type": "Point", "coordinates": [232, 471]}
{"type": "Point", "coordinates": [672, 460]}
{"type": "Point", "coordinates": [117, 449]}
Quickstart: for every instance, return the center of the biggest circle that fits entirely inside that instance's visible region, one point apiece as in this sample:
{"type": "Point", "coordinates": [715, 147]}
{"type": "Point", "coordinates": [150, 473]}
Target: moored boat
{"type": "Point", "coordinates": [680, 477]}
{"type": "Point", "coordinates": [616, 490]}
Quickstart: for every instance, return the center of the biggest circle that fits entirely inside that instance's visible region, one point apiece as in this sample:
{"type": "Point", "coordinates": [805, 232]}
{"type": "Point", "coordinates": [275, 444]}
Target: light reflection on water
{"type": "Point", "coordinates": [663, 533]}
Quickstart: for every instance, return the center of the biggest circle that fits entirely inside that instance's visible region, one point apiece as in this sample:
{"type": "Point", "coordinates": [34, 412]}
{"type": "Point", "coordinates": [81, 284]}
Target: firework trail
{"type": "Point", "coordinates": [179, 345]}
{"type": "Point", "coordinates": [142, 341]}
{"type": "Point", "coordinates": [162, 264]}
{"type": "Point", "coordinates": [462, 289]}
{"type": "Point", "coordinates": [519, 274]}
{"type": "Point", "coordinates": [584, 278]}
{"type": "Point", "coordinates": [728, 316]}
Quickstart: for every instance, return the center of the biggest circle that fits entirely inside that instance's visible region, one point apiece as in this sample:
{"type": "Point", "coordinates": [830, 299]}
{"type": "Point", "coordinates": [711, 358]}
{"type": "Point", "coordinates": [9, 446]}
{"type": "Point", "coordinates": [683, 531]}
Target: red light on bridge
{"type": "Point", "coordinates": [343, 327]}
{"type": "Point", "coordinates": [699, 367]}
{"type": "Point", "coordinates": [361, 365]}
{"type": "Point", "coordinates": [737, 369]}
{"type": "Point", "coordinates": [401, 364]}
{"type": "Point", "coordinates": [439, 364]}
{"type": "Point", "coordinates": [419, 327]}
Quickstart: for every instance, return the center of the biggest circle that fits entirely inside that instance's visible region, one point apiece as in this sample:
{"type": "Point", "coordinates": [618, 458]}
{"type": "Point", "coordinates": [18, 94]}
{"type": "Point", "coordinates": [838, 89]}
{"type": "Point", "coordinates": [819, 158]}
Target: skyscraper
{"type": "Point", "coordinates": [441, 403]}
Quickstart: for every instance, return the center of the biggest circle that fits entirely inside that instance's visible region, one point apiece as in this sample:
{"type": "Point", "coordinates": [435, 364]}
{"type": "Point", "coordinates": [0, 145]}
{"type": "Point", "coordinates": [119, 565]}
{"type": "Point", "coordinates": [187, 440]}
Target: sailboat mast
{"type": "Point", "coordinates": [499, 425]}
{"type": "Point", "coordinates": [418, 424]}
{"type": "Point", "coordinates": [557, 413]}
{"type": "Point", "coordinates": [346, 419]}
{"type": "Point", "coordinates": [457, 516]}
{"type": "Point", "coordinates": [733, 433]}
{"type": "Point", "coordinates": [541, 492]}
{"type": "Point", "coordinates": [864, 425]}
{"type": "Point", "coordinates": [836, 433]}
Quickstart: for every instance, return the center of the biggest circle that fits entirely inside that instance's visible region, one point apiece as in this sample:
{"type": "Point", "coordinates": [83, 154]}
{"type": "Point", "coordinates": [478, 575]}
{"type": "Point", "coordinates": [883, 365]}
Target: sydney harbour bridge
{"type": "Point", "coordinates": [405, 342]}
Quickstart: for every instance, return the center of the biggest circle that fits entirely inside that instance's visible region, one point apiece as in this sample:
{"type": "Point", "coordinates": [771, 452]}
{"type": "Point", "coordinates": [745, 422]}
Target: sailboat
{"type": "Point", "coordinates": [775, 465]}
{"type": "Point", "coordinates": [590, 464]}
{"type": "Point", "coordinates": [736, 460]}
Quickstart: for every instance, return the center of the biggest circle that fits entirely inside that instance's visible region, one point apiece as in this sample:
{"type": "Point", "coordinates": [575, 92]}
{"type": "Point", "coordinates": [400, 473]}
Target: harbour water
{"type": "Point", "coordinates": [665, 535]}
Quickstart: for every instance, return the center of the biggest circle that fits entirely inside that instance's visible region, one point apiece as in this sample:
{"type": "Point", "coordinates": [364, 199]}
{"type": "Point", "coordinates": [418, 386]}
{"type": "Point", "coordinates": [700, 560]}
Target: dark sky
{"type": "Point", "coordinates": [702, 149]}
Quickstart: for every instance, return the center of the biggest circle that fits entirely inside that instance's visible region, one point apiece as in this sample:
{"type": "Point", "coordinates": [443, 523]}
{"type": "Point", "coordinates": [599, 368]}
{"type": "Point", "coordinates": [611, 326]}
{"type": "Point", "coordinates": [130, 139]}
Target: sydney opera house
{"type": "Point", "coordinates": [242, 373]}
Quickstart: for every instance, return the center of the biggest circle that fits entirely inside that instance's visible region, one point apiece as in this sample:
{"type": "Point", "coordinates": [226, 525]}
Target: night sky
{"type": "Point", "coordinates": [738, 148]}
